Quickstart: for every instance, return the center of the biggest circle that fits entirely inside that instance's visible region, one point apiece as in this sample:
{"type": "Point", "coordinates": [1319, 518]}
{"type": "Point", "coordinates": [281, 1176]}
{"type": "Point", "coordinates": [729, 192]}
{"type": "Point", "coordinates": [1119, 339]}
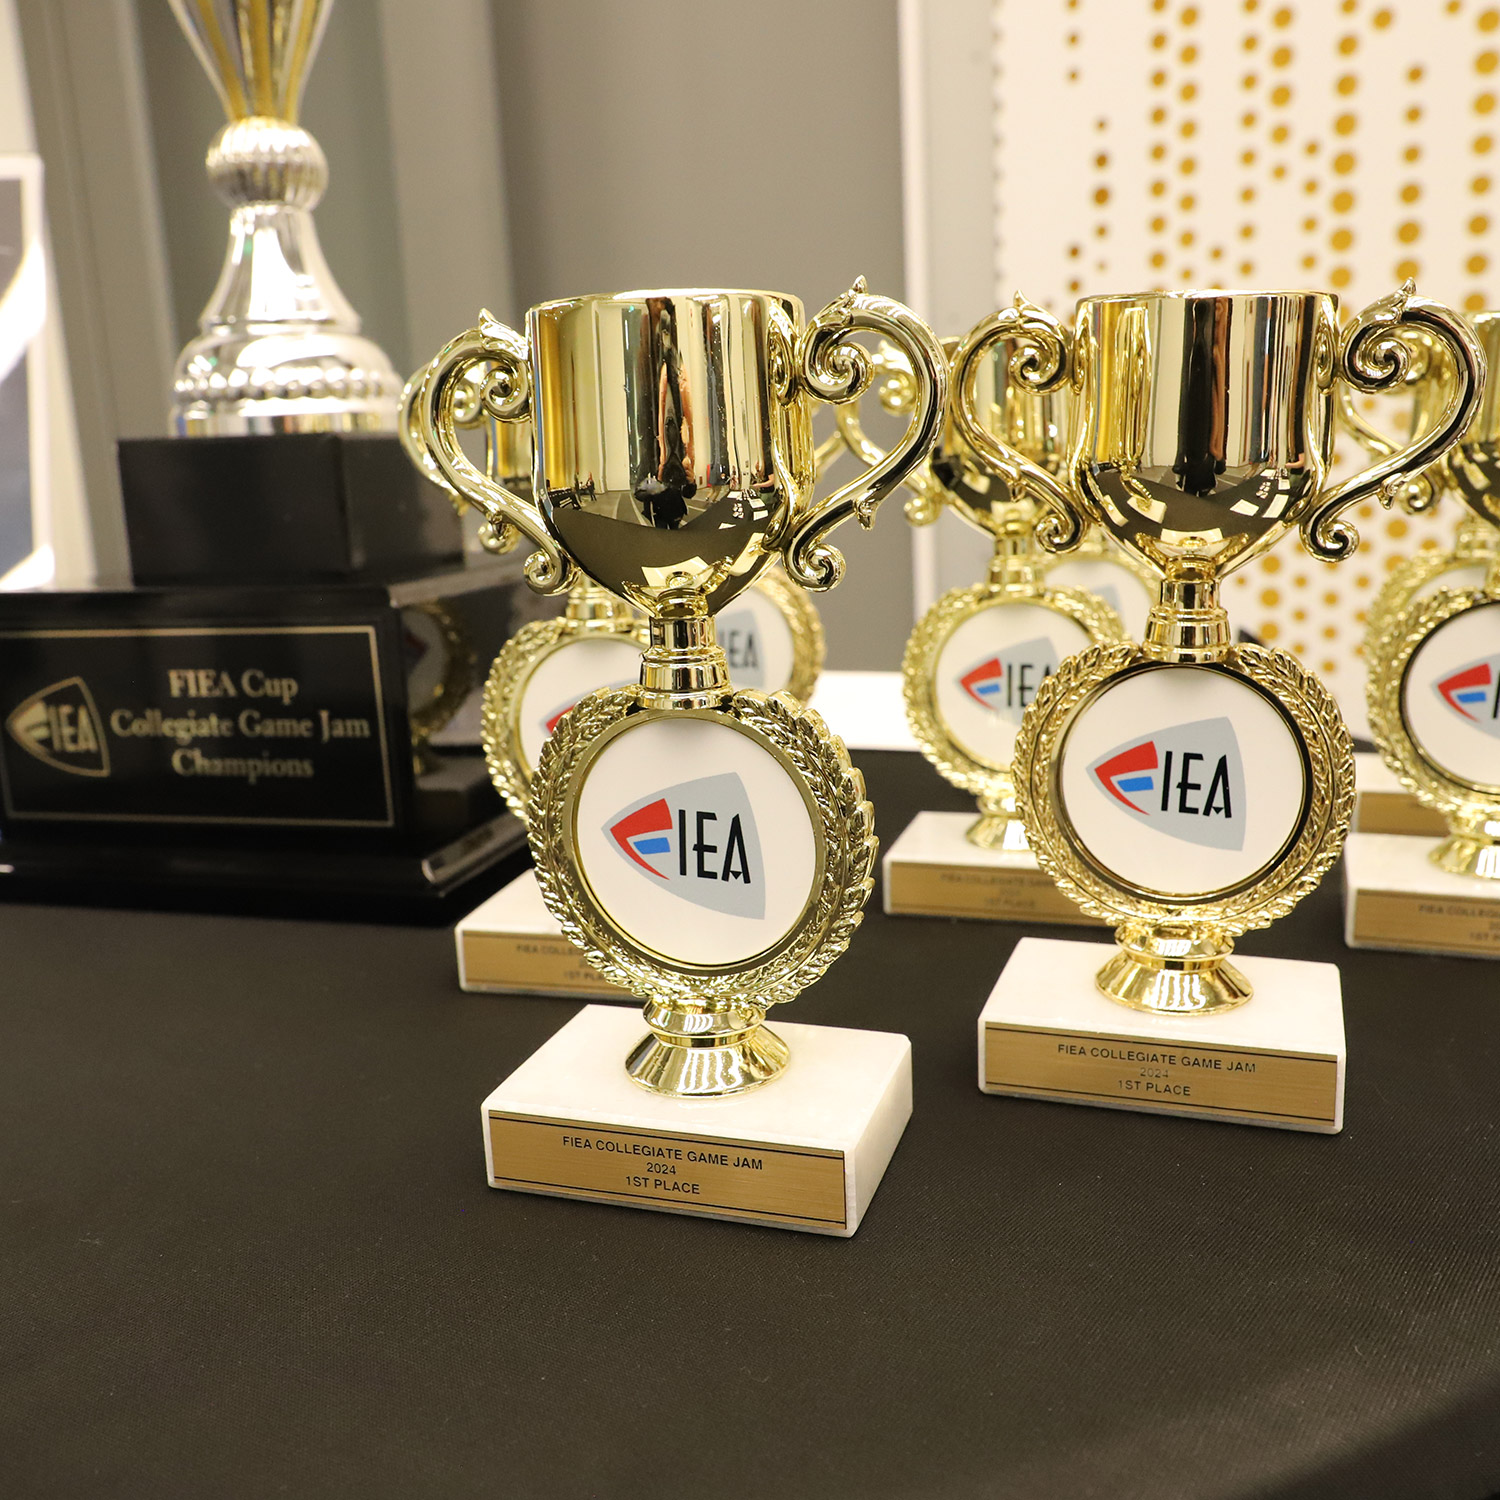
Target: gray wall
{"type": "Point", "coordinates": [635, 142]}
{"type": "Point", "coordinates": [673, 142]}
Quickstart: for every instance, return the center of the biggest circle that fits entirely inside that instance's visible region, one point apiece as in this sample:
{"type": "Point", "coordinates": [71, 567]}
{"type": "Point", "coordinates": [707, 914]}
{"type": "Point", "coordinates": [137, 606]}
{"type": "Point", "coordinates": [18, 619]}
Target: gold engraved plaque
{"type": "Point", "coordinates": [728, 1178]}
{"type": "Point", "coordinates": [1013, 889]}
{"type": "Point", "coordinates": [537, 965]}
{"type": "Point", "coordinates": [1283, 1087]}
{"type": "Point", "coordinates": [1421, 923]}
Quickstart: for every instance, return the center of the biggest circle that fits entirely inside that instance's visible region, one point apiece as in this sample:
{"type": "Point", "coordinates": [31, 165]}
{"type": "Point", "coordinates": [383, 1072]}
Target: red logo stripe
{"type": "Point", "coordinates": [1141, 758]}
{"type": "Point", "coordinates": [1475, 677]}
{"type": "Point", "coordinates": [655, 817]}
{"type": "Point", "coordinates": [985, 671]}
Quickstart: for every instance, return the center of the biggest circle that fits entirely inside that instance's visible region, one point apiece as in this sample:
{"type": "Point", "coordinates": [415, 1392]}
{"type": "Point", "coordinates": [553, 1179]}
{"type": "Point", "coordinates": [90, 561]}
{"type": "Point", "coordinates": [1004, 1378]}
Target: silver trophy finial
{"type": "Point", "coordinates": [279, 348]}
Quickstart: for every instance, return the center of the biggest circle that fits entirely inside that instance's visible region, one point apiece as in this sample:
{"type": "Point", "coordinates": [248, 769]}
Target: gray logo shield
{"type": "Point", "coordinates": [697, 841]}
{"type": "Point", "coordinates": [1187, 781]}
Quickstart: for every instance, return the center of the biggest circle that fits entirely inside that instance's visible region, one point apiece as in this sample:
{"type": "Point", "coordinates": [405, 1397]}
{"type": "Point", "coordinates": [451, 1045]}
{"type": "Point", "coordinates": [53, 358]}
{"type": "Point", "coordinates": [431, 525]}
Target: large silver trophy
{"type": "Point", "coordinates": [279, 348]}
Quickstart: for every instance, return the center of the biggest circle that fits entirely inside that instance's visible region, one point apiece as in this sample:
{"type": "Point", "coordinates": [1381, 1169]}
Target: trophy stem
{"type": "Point", "coordinates": [1015, 567]}
{"type": "Point", "coordinates": [1187, 623]}
{"type": "Point", "coordinates": [1181, 972]}
{"type": "Point", "coordinates": [683, 665]}
{"type": "Point", "coordinates": [591, 606]}
{"type": "Point", "coordinates": [695, 1053]}
{"type": "Point", "coordinates": [999, 826]}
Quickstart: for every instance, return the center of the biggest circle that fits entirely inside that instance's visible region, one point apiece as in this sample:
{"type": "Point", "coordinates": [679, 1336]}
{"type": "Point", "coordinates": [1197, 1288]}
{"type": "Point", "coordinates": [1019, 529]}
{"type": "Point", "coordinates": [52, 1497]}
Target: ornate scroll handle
{"type": "Point", "coordinates": [1041, 363]}
{"type": "Point", "coordinates": [504, 394]}
{"type": "Point", "coordinates": [836, 369]}
{"type": "Point", "coordinates": [1374, 358]}
{"type": "Point", "coordinates": [467, 412]}
{"type": "Point", "coordinates": [1431, 379]}
{"type": "Point", "coordinates": [896, 390]}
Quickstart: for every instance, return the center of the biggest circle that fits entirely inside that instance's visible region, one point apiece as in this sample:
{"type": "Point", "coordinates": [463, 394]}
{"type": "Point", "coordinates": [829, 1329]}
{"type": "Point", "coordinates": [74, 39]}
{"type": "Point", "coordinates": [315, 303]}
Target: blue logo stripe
{"type": "Point", "coordinates": [1472, 697]}
{"type": "Point", "coordinates": [1136, 784]}
{"type": "Point", "coordinates": [653, 846]}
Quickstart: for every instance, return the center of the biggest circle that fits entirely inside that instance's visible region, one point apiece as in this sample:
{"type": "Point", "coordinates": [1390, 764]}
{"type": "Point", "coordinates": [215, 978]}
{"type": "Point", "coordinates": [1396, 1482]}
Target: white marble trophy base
{"type": "Point", "coordinates": [932, 870]}
{"type": "Point", "coordinates": [1047, 1033]}
{"type": "Point", "coordinates": [804, 1151]}
{"type": "Point", "coordinates": [1396, 898]}
{"type": "Point", "coordinates": [512, 945]}
{"type": "Point", "coordinates": [1383, 805]}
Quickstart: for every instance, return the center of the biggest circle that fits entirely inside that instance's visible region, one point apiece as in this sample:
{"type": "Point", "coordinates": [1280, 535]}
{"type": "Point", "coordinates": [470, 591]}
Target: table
{"type": "Point", "coordinates": [248, 1248]}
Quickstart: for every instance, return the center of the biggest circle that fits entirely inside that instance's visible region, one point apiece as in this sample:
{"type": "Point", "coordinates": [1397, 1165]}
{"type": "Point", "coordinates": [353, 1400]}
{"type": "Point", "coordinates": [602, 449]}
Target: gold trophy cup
{"type": "Point", "coordinates": [1434, 663]}
{"type": "Point", "coordinates": [1187, 789]}
{"type": "Point", "coordinates": [708, 849]}
{"type": "Point", "coordinates": [675, 464]}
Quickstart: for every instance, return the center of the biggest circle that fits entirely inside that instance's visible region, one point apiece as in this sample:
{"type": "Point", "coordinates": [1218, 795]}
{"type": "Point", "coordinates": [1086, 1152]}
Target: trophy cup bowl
{"type": "Point", "coordinates": [674, 463]}
{"type": "Point", "coordinates": [670, 455]}
{"type": "Point", "coordinates": [1204, 431]}
{"type": "Point", "coordinates": [1206, 419]}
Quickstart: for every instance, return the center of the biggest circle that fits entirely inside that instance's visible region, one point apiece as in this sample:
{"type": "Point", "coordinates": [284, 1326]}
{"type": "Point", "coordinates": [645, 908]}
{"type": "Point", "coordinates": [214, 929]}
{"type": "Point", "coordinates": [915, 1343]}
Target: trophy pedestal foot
{"type": "Point", "coordinates": [1198, 980]}
{"type": "Point", "coordinates": [511, 945]}
{"type": "Point", "coordinates": [1001, 833]}
{"type": "Point", "coordinates": [805, 1151]}
{"type": "Point", "coordinates": [1047, 1032]}
{"type": "Point", "coordinates": [934, 870]}
{"type": "Point", "coordinates": [682, 1070]}
{"type": "Point", "coordinates": [1395, 897]}
{"type": "Point", "coordinates": [1383, 805]}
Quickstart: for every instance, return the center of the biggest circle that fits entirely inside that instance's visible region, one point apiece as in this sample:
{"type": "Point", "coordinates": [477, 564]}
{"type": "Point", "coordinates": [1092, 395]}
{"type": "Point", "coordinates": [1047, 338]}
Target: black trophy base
{"type": "Point", "coordinates": [285, 507]}
{"type": "Point", "coordinates": [461, 834]}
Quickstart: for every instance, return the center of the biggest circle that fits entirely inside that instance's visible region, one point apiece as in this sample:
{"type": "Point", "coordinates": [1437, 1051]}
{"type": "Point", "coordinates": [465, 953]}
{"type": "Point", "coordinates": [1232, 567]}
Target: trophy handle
{"type": "Point", "coordinates": [1431, 377]}
{"type": "Point", "coordinates": [896, 390]}
{"type": "Point", "coordinates": [467, 412]}
{"type": "Point", "coordinates": [1041, 363]}
{"type": "Point", "coordinates": [1373, 357]}
{"type": "Point", "coordinates": [497, 356]}
{"type": "Point", "coordinates": [836, 369]}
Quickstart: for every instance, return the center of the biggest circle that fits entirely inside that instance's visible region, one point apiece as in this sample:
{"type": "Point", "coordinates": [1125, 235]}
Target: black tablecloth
{"type": "Point", "coordinates": [249, 1251]}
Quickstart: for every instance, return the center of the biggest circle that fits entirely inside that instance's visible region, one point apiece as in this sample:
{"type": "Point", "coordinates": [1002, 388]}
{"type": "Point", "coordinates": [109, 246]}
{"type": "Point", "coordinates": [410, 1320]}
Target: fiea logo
{"type": "Point", "coordinates": [1006, 682]}
{"type": "Point", "coordinates": [60, 726]}
{"type": "Point", "coordinates": [741, 642]}
{"type": "Point", "coordinates": [1188, 781]}
{"type": "Point", "coordinates": [1473, 693]}
{"type": "Point", "coordinates": [698, 841]}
